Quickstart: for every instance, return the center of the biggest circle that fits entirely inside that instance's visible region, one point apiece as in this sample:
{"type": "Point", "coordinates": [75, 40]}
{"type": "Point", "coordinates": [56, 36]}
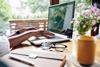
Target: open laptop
{"type": "Point", "coordinates": [59, 22]}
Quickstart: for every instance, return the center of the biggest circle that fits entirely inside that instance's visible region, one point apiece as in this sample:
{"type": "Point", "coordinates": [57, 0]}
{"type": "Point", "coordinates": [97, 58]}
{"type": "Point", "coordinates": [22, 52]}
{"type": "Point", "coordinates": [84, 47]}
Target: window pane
{"type": "Point", "coordinates": [29, 9]}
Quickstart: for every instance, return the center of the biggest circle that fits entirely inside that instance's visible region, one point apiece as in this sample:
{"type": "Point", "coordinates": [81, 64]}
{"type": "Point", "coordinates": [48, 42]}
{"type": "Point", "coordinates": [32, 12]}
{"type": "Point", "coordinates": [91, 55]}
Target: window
{"type": "Point", "coordinates": [29, 9]}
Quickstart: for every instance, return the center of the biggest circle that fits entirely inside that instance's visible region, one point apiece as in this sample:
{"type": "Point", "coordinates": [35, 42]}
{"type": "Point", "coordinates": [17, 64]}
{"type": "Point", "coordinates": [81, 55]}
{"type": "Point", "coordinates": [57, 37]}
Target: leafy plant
{"type": "Point", "coordinates": [85, 23]}
{"type": "Point", "coordinates": [86, 19]}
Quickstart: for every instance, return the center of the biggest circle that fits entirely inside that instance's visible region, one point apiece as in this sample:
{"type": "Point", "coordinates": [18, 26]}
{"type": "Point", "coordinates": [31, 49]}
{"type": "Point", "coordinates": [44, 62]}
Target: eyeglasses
{"type": "Point", "coordinates": [57, 47]}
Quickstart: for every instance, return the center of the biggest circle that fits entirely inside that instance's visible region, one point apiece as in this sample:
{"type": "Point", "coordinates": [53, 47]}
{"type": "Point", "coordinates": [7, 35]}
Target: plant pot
{"type": "Point", "coordinates": [86, 50]}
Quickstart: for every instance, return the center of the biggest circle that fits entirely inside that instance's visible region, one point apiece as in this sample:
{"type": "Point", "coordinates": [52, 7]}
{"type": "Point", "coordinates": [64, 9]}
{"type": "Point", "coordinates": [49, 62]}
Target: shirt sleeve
{"type": "Point", "coordinates": [4, 46]}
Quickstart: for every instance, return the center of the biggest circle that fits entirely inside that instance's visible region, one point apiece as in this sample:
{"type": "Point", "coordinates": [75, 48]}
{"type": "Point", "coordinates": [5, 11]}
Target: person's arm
{"type": "Point", "coordinates": [17, 39]}
{"type": "Point", "coordinates": [22, 30]}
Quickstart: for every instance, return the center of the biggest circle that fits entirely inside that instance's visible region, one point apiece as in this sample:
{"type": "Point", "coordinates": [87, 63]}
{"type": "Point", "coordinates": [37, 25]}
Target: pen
{"type": "Point", "coordinates": [34, 56]}
{"type": "Point", "coordinates": [22, 59]}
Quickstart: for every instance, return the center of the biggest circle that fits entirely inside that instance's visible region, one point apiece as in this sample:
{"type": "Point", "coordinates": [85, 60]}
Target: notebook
{"type": "Point", "coordinates": [38, 62]}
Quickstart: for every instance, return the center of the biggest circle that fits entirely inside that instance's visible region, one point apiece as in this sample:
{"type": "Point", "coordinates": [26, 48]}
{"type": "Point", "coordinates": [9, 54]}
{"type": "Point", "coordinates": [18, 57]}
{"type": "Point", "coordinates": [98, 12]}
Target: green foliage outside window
{"type": "Point", "coordinates": [38, 9]}
{"type": "Point", "coordinates": [4, 14]}
{"type": "Point", "coordinates": [4, 10]}
{"type": "Point", "coordinates": [87, 2]}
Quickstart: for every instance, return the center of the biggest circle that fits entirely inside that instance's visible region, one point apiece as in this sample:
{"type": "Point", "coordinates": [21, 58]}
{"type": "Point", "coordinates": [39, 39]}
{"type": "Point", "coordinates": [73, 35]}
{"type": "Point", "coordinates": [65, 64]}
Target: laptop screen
{"type": "Point", "coordinates": [59, 18]}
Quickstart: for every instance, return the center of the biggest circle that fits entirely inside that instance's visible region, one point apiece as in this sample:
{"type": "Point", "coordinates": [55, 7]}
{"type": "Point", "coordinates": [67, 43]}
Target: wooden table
{"type": "Point", "coordinates": [39, 62]}
{"type": "Point", "coordinates": [68, 62]}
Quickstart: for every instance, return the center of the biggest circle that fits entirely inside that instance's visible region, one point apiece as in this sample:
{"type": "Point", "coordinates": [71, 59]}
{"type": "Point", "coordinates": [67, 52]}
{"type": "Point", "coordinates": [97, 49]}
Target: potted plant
{"type": "Point", "coordinates": [85, 43]}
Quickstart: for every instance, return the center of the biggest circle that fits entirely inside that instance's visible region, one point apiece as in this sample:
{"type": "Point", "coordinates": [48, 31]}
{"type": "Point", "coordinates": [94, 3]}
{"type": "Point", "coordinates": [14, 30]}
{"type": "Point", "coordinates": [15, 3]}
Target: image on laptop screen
{"type": "Point", "coordinates": [59, 18]}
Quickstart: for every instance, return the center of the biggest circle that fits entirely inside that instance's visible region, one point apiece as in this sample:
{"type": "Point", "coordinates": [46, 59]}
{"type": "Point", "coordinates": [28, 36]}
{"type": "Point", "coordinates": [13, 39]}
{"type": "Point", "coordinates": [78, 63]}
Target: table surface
{"type": "Point", "coordinates": [68, 62]}
{"type": "Point", "coordinates": [38, 62]}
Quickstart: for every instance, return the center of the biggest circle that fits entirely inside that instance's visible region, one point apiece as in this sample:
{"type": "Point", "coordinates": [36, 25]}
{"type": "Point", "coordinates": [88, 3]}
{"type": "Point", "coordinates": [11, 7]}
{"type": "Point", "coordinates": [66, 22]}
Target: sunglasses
{"type": "Point", "coordinates": [56, 46]}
